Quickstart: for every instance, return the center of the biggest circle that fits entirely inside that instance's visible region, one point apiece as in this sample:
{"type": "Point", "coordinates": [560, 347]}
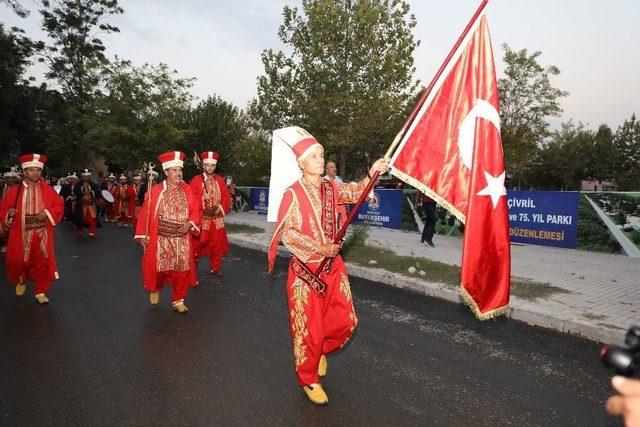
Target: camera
{"type": "Point", "coordinates": [624, 361]}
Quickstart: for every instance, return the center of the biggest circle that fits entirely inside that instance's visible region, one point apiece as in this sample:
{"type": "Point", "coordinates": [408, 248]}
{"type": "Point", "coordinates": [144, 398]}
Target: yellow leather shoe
{"type": "Point", "coordinates": [322, 366]}
{"type": "Point", "coordinates": [20, 288]}
{"type": "Point", "coordinates": [179, 307]}
{"type": "Point", "coordinates": [316, 394]}
{"type": "Point", "coordinates": [154, 297]}
{"type": "Point", "coordinates": [42, 299]}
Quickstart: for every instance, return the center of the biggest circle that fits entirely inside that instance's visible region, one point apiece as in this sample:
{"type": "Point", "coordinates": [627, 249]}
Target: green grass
{"type": "Point", "coordinates": [243, 228]}
{"type": "Point", "coordinates": [355, 250]}
{"type": "Point", "coordinates": [532, 291]}
{"type": "Point", "coordinates": [388, 260]}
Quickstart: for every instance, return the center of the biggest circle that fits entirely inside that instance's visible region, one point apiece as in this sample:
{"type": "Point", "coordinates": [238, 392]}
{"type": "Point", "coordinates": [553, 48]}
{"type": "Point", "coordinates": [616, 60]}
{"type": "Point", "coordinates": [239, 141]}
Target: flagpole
{"type": "Point", "coordinates": [403, 131]}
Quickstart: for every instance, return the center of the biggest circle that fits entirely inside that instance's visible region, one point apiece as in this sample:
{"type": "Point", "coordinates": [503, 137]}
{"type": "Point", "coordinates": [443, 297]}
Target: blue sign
{"type": "Point", "coordinates": [259, 199]}
{"type": "Point", "coordinates": [384, 209]}
{"type": "Point", "coordinates": [547, 218]}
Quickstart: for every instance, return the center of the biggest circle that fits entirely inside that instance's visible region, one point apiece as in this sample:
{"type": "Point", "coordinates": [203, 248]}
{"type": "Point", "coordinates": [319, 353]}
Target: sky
{"type": "Point", "coordinates": [595, 43]}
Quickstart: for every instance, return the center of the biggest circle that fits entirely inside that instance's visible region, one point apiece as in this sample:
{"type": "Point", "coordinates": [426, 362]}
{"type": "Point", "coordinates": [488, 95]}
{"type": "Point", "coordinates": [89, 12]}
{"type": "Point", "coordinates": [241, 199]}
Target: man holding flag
{"type": "Point", "coordinates": [322, 317]}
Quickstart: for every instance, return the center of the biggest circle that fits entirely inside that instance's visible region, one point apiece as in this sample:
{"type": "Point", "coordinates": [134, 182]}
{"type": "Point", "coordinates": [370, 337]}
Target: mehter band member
{"type": "Point", "coordinates": [30, 210]}
{"type": "Point", "coordinates": [121, 206]}
{"type": "Point", "coordinates": [169, 218]}
{"type": "Point", "coordinates": [322, 316]}
{"type": "Point", "coordinates": [86, 213]}
{"type": "Point", "coordinates": [135, 201]}
{"type": "Point", "coordinates": [215, 200]}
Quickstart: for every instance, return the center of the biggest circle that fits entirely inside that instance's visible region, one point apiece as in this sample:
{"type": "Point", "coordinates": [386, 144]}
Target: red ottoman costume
{"type": "Point", "coordinates": [121, 204]}
{"type": "Point", "coordinates": [30, 247]}
{"type": "Point", "coordinates": [169, 255]}
{"type": "Point", "coordinates": [133, 194]}
{"type": "Point", "coordinates": [307, 217]}
{"type": "Point", "coordinates": [212, 193]}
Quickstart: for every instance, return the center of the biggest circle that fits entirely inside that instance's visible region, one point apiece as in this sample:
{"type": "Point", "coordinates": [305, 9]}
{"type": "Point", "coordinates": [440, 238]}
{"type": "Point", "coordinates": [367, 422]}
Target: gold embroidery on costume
{"type": "Point", "coordinates": [33, 203]}
{"type": "Point", "coordinates": [301, 245]}
{"type": "Point", "coordinates": [209, 216]}
{"type": "Point", "coordinates": [299, 297]}
{"type": "Point", "coordinates": [314, 229]}
{"type": "Point", "coordinates": [328, 210]}
{"type": "Point", "coordinates": [88, 208]}
{"type": "Point", "coordinates": [349, 193]}
{"type": "Point", "coordinates": [316, 204]}
{"type": "Point", "coordinates": [173, 251]}
{"type": "Point", "coordinates": [345, 288]}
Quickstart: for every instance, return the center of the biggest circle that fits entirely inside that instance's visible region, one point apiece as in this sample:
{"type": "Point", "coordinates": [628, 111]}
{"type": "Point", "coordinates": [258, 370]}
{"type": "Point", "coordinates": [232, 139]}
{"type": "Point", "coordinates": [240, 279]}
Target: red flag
{"type": "Point", "coordinates": [453, 152]}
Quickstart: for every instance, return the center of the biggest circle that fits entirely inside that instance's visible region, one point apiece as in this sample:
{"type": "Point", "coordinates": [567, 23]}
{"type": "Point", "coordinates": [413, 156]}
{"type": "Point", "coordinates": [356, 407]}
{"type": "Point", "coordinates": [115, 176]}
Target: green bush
{"type": "Point", "coordinates": [593, 235]}
{"type": "Point", "coordinates": [621, 218]}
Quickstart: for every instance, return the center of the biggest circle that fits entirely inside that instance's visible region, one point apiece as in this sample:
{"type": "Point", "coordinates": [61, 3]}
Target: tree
{"type": "Point", "coordinates": [16, 50]}
{"type": "Point", "coordinates": [140, 113]}
{"type": "Point", "coordinates": [215, 124]}
{"type": "Point", "coordinates": [627, 155]}
{"type": "Point", "coordinates": [564, 159]}
{"type": "Point", "coordinates": [527, 100]}
{"type": "Point", "coordinates": [253, 160]}
{"type": "Point", "coordinates": [16, 7]}
{"type": "Point", "coordinates": [602, 155]}
{"type": "Point", "coordinates": [346, 76]}
{"type": "Point", "coordinates": [74, 57]}
{"type": "Point", "coordinates": [28, 114]}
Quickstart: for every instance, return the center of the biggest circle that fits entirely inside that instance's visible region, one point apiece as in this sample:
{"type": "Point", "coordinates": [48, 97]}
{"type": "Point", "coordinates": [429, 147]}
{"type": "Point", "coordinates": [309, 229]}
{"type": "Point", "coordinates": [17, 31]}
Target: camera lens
{"type": "Point", "coordinates": [618, 359]}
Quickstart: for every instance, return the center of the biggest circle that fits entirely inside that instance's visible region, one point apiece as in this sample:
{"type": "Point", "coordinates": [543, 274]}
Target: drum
{"type": "Point", "coordinates": [105, 198]}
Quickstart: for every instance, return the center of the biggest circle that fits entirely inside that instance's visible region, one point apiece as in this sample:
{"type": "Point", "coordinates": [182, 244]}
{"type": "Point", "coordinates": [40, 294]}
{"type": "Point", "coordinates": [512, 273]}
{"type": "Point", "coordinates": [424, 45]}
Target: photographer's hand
{"type": "Point", "coordinates": [627, 404]}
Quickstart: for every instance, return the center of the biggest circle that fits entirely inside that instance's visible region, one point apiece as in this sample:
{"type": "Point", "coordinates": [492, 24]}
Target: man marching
{"type": "Point", "coordinates": [169, 217]}
{"type": "Point", "coordinates": [121, 206]}
{"type": "Point", "coordinates": [135, 202]}
{"type": "Point", "coordinates": [322, 317]}
{"type": "Point", "coordinates": [86, 213]}
{"type": "Point", "coordinates": [211, 190]}
{"type": "Point", "coordinates": [31, 210]}
{"type": "Point", "coordinates": [10, 179]}
{"type": "Point", "coordinates": [69, 198]}
{"type": "Point", "coordinates": [109, 211]}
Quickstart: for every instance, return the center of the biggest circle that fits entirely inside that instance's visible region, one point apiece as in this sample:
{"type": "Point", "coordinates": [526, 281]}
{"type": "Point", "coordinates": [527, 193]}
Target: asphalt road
{"type": "Point", "coordinates": [100, 354]}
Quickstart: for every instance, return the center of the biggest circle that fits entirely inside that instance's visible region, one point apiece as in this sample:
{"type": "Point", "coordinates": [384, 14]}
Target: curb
{"type": "Point", "coordinates": [521, 310]}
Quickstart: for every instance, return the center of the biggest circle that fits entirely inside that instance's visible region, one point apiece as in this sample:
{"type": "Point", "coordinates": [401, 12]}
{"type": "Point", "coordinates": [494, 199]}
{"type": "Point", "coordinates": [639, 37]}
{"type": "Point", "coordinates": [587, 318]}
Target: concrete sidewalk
{"type": "Point", "coordinates": [604, 298]}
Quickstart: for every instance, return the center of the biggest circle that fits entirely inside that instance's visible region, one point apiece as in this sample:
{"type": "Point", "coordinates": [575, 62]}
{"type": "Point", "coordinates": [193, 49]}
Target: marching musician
{"type": "Point", "coordinates": [109, 185]}
{"type": "Point", "coordinates": [121, 196]}
{"type": "Point", "coordinates": [9, 179]}
{"type": "Point", "coordinates": [169, 218]}
{"type": "Point", "coordinates": [86, 210]}
{"type": "Point", "coordinates": [69, 198]}
{"type": "Point", "coordinates": [30, 211]}
{"type": "Point", "coordinates": [134, 200]}
{"type": "Point", "coordinates": [211, 190]}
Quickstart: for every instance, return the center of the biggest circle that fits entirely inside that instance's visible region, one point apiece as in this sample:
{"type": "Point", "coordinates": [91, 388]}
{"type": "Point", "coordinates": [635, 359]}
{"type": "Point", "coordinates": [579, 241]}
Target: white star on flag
{"type": "Point", "coordinates": [495, 188]}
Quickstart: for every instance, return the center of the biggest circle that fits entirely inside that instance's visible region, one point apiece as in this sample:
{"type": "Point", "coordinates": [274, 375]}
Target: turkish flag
{"type": "Point", "coordinates": [453, 152]}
